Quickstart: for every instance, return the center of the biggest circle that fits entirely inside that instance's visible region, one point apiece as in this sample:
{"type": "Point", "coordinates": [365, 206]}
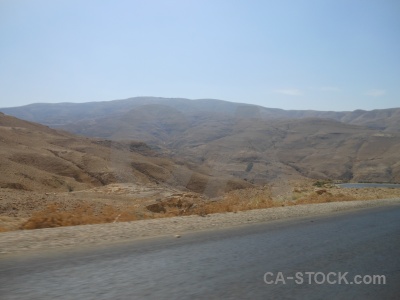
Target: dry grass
{"type": "Point", "coordinates": [3, 229]}
{"type": "Point", "coordinates": [321, 197]}
{"type": "Point", "coordinates": [8, 223]}
{"type": "Point", "coordinates": [236, 201]}
{"type": "Point", "coordinates": [54, 216]}
{"type": "Point", "coordinates": [57, 215]}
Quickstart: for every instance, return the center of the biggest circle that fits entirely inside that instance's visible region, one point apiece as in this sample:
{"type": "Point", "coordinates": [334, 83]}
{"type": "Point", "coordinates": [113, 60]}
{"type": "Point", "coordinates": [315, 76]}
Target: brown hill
{"type": "Point", "coordinates": [219, 138]}
{"type": "Point", "coordinates": [259, 150]}
{"type": "Point", "coordinates": [54, 178]}
{"type": "Point", "coordinates": [37, 158]}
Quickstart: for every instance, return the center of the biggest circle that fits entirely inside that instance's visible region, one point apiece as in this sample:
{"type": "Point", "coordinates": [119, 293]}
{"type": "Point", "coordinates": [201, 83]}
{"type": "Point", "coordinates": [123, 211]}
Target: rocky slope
{"type": "Point", "coordinates": [34, 157]}
{"type": "Point", "coordinates": [248, 142]}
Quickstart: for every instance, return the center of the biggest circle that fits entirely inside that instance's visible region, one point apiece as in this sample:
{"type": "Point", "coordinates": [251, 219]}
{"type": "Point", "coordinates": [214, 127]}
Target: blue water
{"type": "Point", "coordinates": [368, 185]}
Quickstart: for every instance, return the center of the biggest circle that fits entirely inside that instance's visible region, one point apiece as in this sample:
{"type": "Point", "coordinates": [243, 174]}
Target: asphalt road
{"type": "Point", "coordinates": [226, 264]}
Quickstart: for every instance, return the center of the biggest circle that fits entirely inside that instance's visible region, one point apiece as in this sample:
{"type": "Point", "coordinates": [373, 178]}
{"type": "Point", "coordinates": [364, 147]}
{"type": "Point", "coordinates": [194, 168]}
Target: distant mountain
{"type": "Point", "coordinates": [253, 144]}
{"type": "Point", "coordinates": [62, 114]}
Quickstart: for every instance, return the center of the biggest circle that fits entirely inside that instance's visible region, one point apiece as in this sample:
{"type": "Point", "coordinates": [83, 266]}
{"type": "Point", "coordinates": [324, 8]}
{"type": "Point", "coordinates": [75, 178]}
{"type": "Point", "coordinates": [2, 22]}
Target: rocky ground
{"type": "Point", "coordinates": [131, 202]}
{"type": "Point", "coordinates": [17, 207]}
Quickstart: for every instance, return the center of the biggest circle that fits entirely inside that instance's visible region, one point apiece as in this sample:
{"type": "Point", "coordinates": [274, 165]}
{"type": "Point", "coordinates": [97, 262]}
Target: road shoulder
{"type": "Point", "coordinates": [64, 238]}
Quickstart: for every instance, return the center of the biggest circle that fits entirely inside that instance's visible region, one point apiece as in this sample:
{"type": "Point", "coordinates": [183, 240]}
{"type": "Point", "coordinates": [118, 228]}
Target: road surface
{"type": "Point", "coordinates": [250, 262]}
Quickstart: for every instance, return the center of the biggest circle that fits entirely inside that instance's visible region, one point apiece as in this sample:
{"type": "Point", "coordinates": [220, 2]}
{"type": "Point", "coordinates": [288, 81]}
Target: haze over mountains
{"type": "Point", "coordinates": [56, 114]}
{"type": "Point", "coordinates": [219, 139]}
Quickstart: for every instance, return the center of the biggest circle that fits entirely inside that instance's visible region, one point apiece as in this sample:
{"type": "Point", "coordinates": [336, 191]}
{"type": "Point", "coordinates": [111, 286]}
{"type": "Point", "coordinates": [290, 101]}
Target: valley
{"type": "Point", "coordinates": [149, 157]}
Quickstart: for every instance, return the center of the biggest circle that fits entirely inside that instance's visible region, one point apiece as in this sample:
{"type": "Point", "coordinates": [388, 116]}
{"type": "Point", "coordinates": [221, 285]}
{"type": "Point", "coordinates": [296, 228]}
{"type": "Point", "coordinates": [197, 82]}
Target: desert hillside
{"type": "Point", "coordinates": [37, 158]}
{"type": "Point", "coordinates": [251, 143]}
{"type": "Point", "coordinates": [53, 178]}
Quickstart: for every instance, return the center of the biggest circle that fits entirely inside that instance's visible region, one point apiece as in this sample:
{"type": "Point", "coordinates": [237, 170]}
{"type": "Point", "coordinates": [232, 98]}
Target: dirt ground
{"type": "Point", "coordinates": [129, 202]}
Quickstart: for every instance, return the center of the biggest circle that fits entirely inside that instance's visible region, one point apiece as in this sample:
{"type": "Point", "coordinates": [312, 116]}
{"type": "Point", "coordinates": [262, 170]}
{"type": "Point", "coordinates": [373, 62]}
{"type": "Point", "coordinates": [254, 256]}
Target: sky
{"type": "Point", "coordinates": [299, 54]}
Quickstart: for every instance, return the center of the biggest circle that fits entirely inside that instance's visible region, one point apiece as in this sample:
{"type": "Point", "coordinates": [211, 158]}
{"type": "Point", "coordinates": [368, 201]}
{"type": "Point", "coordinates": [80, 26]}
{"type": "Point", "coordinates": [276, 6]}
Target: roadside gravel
{"type": "Point", "coordinates": [18, 242]}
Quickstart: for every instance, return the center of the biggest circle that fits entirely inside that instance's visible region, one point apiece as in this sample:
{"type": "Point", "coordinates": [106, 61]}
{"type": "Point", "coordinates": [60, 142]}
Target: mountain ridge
{"type": "Point", "coordinates": [61, 114]}
{"type": "Point", "coordinates": [250, 143]}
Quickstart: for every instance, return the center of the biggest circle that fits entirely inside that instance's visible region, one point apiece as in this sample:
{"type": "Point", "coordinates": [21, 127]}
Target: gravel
{"type": "Point", "coordinates": [18, 242]}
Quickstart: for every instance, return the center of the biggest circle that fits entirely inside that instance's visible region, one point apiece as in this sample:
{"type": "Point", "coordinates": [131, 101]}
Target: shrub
{"type": "Point", "coordinates": [54, 216]}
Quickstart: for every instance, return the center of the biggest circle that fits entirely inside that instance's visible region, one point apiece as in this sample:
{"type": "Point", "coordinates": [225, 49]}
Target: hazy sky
{"type": "Point", "coordinates": [298, 54]}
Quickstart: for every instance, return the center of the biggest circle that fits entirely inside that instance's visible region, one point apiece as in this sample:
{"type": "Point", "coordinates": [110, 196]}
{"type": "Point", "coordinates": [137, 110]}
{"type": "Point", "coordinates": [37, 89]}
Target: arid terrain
{"type": "Point", "coordinates": [62, 114]}
{"type": "Point", "coordinates": [35, 157]}
{"type": "Point", "coordinates": [248, 142]}
{"type": "Point", "coordinates": [119, 202]}
{"type": "Point", "coordinates": [147, 158]}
